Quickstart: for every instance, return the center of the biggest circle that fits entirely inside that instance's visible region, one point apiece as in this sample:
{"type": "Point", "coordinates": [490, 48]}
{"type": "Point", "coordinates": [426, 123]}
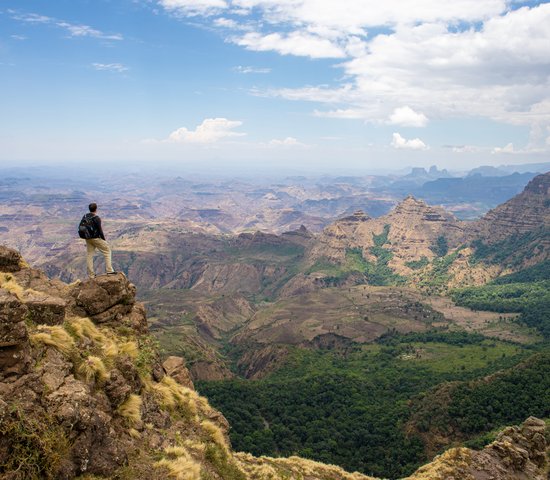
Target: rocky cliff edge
{"type": "Point", "coordinates": [83, 394]}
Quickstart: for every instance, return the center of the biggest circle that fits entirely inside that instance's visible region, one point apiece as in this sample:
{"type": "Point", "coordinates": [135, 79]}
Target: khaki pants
{"type": "Point", "coordinates": [103, 247]}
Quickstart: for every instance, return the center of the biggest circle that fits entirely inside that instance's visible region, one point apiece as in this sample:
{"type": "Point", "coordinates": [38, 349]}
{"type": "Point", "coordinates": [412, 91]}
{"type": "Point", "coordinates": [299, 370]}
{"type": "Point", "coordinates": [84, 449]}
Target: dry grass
{"type": "Point", "coordinates": [173, 396]}
{"type": "Point", "coordinates": [56, 337]}
{"type": "Point", "coordinates": [129, 348]}
{"type": "Point", "coordinates": [267, 468]}
{"type": "Point", "coordinates": [131, 410]}
{"type": "Point", "coordinates": [194, 445]}
{"type": "Point", "coordinates": [214, 433]}
{"type": "Point", "coordinates": [7, 282]}
{"type": "Point", "coordinates": [180, 464]}
{"type": "Point", "coordinates": [451, 465]}
{"type": "Point", "coordinates": [85, 328]}
{"type": "Point", "coordinates": [93, 368]}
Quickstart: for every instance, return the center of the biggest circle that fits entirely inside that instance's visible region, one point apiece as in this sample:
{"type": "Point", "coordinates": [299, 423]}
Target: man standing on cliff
{"type": "Point", "coordinates": [90, 229]}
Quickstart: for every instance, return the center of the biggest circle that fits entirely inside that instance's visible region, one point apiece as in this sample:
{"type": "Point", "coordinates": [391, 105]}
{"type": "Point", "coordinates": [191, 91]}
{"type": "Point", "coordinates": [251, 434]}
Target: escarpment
{"type": "Point", "coordinates": [83, 394]}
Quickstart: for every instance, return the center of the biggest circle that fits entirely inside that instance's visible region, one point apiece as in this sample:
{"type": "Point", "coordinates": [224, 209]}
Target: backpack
{"type": "Point", "coordinates": [87, 228]}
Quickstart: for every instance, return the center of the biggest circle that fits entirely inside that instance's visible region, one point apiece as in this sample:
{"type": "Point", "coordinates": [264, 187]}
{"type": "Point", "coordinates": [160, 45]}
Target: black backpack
{"type": "Point", "coordinates": [87, 228]}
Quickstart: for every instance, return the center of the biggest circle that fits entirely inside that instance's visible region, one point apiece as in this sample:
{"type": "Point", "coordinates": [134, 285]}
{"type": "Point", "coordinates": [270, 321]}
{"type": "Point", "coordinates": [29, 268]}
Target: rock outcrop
{"type": "Point", "coordinates": [526, 212]}
{"type": "Point", "coordinates": [518, 453]}
{"type": "Point", "coordinates": [409, 232]}
{"type": "Point", "coordinates": [10, 259]}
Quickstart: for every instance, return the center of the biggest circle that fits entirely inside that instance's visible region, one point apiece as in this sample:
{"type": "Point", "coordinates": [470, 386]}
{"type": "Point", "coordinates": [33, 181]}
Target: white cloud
{"type": "Point", "coordinates": [242, 69]}
{"type": "Point", "coordinates": [286, 143]}
{"type": "Point", "coordinates": [401, 143]}
{"type": "Point", "coordinates": [30, 17]}
{"type": "Point", "coordinates": [19, 37]}
{"type": "Point", "coordinates": [295, 43]}
{"type": "Point", "coordinates": [73, 29]}
{"type": "Point", "coordinates": [194, 7]}
{"type": "Point", "coordinates": [226, 23]}
{"type": "Point", "coordinates": [354, 15]}
{"type": "Point", "coordinates": [509, 148]}
{"type": "Point", "coordinates": [87, 31]}
{"type": "Point", "coordinates": [211, 130]}
{"type": "Point", "coordinates": [407, 117]}
{"type": "Point", "coordinates": [113, 67]}
{"type": "Point", "coordinates": [405, 62]}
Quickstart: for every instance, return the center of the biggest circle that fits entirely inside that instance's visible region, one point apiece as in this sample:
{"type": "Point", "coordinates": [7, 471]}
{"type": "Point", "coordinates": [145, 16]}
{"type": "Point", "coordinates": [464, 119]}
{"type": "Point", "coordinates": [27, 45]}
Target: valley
{"type": "Point", "coordinates": [334, 319]}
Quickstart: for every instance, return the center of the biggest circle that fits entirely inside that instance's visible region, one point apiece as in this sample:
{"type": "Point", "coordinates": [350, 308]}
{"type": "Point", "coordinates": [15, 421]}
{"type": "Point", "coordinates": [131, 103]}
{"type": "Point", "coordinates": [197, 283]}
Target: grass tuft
{"type": "Point", "coordinates": [8, 282]}
{"type": "Point", "coordinates": [56, 337]}
{"type": "Point", "coordinates": [214, 432]}
{"type": "Point", "coordinates": [180, 464]}
{"type": "Point", "coordinates": [93, 368]}
{"type": "Point", "coordinates": [85, 328]}
{"type": "Point", "coordinates": [131, 410]}
{"type": "Point", "coordinates": [174, 396]}
{"type": "Point", "coordinates": [129, 348]}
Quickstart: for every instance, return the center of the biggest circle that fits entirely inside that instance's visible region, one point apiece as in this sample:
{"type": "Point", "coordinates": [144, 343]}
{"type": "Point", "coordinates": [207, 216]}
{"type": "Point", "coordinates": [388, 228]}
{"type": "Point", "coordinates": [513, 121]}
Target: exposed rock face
{"type": "Point", "coordinates": [14, 339]}
{"type": "Point", "coordinates": [45, 309]}
{"type": "Point", "coordinates": [236, 277]}
{"type": "Point", "coordinates": [255, 364]}
{"type": "Point", "coordinates": [413, 228]}
{"type": "Point", "coordinates": [301, 284]}
{"type": "Point", "coordinates": [175, 367]}
{"type": "Point", "coordinates": [206, 370]}
{"type": "Point", "coordinates": [222, 315]}
{"type": "Point", "coordinates": [528, 211]}
{"type": "Point", "coordinates": [105, 298]}
{"type": "Point", "coordinates": [10, 259]}
{"type": "Point", "coordinates": [518, 453]}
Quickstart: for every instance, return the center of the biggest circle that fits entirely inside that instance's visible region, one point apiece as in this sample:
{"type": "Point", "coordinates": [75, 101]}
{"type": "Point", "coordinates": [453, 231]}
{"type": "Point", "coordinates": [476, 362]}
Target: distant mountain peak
{"type": "Point", "coordinates": [413, 207]}
{"type": "Point", "coordinates": [357, 216]}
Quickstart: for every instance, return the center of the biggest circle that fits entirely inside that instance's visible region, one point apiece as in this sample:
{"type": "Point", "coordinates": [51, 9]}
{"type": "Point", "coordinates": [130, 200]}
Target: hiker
{"type": "Point", "coordinates": [90, 230]}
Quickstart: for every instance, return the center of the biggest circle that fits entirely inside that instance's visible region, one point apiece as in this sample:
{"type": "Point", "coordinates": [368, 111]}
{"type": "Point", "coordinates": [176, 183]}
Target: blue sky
{"type": "Point", "coordinates": [311, 83]}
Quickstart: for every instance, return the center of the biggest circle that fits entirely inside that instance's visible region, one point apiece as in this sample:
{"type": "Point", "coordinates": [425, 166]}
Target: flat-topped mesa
{"type": "Point", "coordinates": [345, 227]}
{"type": "Point", "coordinates": [357, 216]}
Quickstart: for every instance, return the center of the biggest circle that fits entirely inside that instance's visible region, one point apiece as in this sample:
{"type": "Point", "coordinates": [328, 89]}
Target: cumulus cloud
{"type": "Point", "coordinates": [295, 43]}
{"type": "Point", "coordinates": [405, 62]}
{"type": "Point", "coordinates": [407, 117]}
{"type": "Point", "coordinates": [211, 130]}
{"type": "Point", "coordinates": [509, 148]}
{"type": "Point", "coordinates": [401, 143]}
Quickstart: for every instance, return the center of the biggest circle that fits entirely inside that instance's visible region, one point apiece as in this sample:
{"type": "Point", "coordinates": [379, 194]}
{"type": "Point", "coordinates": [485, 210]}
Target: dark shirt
{"type": "Point", "coordinates": [97, 223]}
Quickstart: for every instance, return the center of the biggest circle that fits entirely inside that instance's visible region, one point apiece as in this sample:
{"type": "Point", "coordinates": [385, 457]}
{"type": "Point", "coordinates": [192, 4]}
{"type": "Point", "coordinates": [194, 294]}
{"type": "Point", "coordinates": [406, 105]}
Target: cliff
{"type": "Point", "coordinates": [526, 212]}
{"type": "Point", "coordinates": [83, 394]}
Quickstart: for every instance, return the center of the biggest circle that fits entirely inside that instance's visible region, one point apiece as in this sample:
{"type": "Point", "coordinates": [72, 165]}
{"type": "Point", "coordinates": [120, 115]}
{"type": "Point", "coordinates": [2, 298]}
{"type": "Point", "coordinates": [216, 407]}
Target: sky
{"type": "Point", "coordinates": [311, 84]}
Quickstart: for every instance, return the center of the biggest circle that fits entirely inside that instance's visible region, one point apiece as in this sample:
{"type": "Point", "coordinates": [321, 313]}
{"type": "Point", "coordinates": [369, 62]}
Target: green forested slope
{"type": "Point", "coordinates": [352, 410]}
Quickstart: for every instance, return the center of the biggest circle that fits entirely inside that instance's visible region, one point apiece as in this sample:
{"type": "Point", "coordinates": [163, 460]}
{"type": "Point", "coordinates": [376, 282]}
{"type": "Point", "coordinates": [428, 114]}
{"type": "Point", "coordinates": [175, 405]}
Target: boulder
{"type": "Point", "coordinates": [14, 344]}
{"type": "Point", "coordinates": [105, 298]}
{"type": "Point", "coordinates": [10, 259]}
{"type": "Point", "coordinates": [175, 367]}
{"type": "Point", "coordinates": [45, 309]}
